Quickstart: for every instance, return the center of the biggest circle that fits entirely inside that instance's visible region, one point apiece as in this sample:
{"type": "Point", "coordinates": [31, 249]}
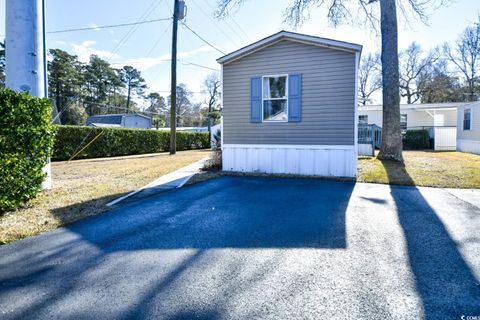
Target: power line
{"type": "Point", "coordinates": [140, 62]}
{"type": "Point", "coordinates": [216, 24]}
{"type": "Point", "coordinates": [201, 38]}
{"type": "Point", "coordinates": [184, 62]}
{"type": "Point", "coordinates": [233, 20]}
{"type": "Point", "coordinates": [109, 26]}
{"type": "Point", "coordinates": [196, 65]}
{"type": "Point", "coordinates": [134, 28]}
{"type": "Point", "coordinates": [158, 40]}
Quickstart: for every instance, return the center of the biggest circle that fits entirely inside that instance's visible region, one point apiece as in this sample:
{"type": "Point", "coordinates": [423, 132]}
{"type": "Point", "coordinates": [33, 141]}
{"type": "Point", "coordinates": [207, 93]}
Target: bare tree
{"type": "Point", "coordinates": [212, 86]}
{"type": "Point", "coordinates": [437, 85]}
{"type": "Point", "coordinates": [370, 77]}
{"type": "Point", "coordinates": [183, 104]}
{"type": "Point", "coordinates": [465, 55]}
{"type": "Point", "coordinates": [340, 11]}
{"type": "Point", "coordinates": [414, 66]}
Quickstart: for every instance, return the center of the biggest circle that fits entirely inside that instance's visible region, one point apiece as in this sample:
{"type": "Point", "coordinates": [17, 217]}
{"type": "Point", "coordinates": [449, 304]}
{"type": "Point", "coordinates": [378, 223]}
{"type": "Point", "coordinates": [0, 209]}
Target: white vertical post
{"type": "Point", "coordinates": [25, 52]}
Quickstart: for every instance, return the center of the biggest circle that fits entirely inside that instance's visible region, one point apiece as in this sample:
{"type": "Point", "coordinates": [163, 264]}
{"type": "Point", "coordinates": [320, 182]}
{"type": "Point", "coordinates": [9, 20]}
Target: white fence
{"type": "Point", "coordinates": [366, 149]}
{"type": "Point", "coordinates": [445, 138]}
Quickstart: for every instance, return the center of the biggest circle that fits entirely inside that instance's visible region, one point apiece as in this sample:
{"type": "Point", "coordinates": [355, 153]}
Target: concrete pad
{"type": "Point", "coordinates": [169, 181]}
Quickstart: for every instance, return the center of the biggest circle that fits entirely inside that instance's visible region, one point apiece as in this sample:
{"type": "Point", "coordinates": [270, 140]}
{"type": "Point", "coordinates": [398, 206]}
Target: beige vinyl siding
{"type": "Point", "coordinates": [474, 132]}
{"type": "Point", "coordinates": [328, 96]}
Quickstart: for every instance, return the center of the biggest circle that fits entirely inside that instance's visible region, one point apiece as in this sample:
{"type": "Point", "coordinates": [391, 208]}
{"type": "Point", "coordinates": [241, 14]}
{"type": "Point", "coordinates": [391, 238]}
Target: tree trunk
{"type": "Point", "coordinates": [391, 148]}
{"type": "Point", "coordinates": [128, 99]}
{"type": "Point", "coordinates": [58, 97]}
{"type": "Point", "coordinates": [209, 119]}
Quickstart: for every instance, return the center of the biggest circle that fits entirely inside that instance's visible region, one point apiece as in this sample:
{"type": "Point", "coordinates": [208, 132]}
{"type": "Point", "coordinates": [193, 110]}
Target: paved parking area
{"type": "Point", "coordinates": [246, 248]}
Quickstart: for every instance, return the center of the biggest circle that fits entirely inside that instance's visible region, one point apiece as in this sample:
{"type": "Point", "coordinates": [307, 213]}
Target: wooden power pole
{"type": "Point", "coordinates": [173, 90]}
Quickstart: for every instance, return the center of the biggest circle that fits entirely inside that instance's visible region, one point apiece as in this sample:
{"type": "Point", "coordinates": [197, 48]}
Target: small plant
{"type": "Point", "coordinates": [26, 141]}
{"type": "Point", "coordinates": [214, 163]}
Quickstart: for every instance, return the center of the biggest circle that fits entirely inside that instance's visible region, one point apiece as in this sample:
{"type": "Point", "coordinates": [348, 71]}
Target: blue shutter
{"type": "Point", "coordinates": [294, 97]}
{"type": "Point", "coordinates": [256, 99]}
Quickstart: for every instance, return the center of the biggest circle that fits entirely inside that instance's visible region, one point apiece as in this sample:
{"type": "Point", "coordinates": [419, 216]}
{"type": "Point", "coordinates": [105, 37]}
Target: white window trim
{"type": "Point", "coordinates": [286, 97]}
{"type": "Point", "coordinates": [463, 119]}
{"type": "Point", "coordinates": [362, 115]}
{"type": "Point", "coordinates": [406, 120]}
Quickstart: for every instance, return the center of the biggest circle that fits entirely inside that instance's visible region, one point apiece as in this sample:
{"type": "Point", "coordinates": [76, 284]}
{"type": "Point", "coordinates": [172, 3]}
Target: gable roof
{"type": "Point", "coordinates": [292, 36]}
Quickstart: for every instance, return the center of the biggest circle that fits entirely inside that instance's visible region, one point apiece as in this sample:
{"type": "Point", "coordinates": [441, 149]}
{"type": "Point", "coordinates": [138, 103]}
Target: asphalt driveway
{"type": "Point", "coordinates": [246, 248]}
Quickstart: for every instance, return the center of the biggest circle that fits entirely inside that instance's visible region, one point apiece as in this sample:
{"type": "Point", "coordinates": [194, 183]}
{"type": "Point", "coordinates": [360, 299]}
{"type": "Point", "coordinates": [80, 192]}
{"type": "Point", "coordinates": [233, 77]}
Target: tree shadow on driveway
{"type": "Point", "coordinates": [144, 247]}
{"type": "Point", "coordinates": [445, 283]}
{"type": "Point", "coordinates": [231, 212]}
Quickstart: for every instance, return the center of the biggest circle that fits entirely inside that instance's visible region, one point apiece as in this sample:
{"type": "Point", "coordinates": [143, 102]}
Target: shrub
{"type": "Point", "coordinates": [26, 141]}
{"type": "Point", "coordinates": [416, 140]}
{"type": "Point", "coordinates": [120, 142]}
{"type": "Point", "coordinates": [214, 163]}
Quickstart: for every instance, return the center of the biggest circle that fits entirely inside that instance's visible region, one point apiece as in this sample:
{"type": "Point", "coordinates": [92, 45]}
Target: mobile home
{"type": "Point", "coordinates": [290, 106]}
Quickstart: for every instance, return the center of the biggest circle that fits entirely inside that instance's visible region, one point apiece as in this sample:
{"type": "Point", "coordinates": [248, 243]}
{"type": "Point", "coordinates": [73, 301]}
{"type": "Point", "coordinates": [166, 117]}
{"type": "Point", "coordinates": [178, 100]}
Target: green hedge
{"type": "Point", "coordinates": [120, 142]}
{"type": "Point", "coordinates": [26, 140]}
{"type": "Point", "coordinates": [416, 140]}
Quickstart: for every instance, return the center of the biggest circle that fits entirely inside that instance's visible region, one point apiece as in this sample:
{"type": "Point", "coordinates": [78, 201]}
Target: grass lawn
{"type": "Point", "coordinates": [424, 168]}
{"type": "Point", "coordinates": [81, 188]}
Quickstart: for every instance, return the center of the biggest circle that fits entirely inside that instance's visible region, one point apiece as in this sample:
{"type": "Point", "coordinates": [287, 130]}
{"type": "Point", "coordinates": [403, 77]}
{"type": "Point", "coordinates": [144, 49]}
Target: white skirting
{"type": "Point", "coordinates": [366, 149]}
{"type": "Point", "coordinates": [312, 160]}
{"type": "Point", "coordinates": [470, 146]}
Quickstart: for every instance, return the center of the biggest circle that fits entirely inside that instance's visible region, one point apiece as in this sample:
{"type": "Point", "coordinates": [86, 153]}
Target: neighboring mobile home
{"type": "Point", "coordinates": [468, 128]}
{"type": "Point", "coordinates": [290, 106]}
{"type": "Point", "coordinates": [134, 121]}
{"type": "Point", "coordinates": [439, 119]}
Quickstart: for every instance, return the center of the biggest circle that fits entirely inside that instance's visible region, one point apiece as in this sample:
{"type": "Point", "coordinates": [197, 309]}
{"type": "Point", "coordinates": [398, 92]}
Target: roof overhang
{"type": "Point", "coordinates": [291, 36]}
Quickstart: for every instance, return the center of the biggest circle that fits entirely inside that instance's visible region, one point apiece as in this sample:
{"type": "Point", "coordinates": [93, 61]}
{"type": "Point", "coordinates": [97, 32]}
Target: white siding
{"type": "Point", "coordinates": [366, 149]}
{"type": "Point", "coordinates": [415, 118]}
{"type": "Point", "coordinates": [470, 146]}
{"type": "Point", "coordinates": [474, 132]}
{"type": "Point", "coordinates": [310, 160]}
{"type": "Point", "coordinates": [445, 138]}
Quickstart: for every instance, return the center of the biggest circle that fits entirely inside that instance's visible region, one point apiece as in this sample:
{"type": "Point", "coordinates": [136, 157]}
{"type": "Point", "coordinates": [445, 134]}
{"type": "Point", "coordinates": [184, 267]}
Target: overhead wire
{"type": "Point", "coordinates": [108, 26]}
{"type": "Point", "coordinates": [158, 40]}
{"type": "Point", "coordinates": [201, 38]}
{"type": "Point", "coordinates": [227, 23]}
{"type": "Point", "coordinates": [196, 65]}
{"type": "Point", "coordinates": [215, 23]}
{"type": "Point", "coordinates": [134, 28]}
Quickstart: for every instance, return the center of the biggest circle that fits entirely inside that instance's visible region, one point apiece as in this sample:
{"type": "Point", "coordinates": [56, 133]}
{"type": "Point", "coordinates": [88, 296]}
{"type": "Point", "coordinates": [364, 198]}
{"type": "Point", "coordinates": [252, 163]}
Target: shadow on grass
{"type": "Point", "coordinates": [85, 209]}
{"type": "Point", "coordinates": [445, 283]}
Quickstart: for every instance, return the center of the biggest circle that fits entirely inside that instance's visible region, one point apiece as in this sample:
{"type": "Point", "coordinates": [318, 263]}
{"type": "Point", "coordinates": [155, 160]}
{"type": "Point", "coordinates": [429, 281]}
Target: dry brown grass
{"type": "Point", "coordinates": [81, 188]}
{"type": "Point", "coordinates": [424, 168]}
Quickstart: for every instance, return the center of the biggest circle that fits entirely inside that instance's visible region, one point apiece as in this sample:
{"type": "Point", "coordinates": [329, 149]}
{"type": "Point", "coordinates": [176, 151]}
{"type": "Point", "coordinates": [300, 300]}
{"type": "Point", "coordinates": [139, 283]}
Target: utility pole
{"type": "Point", "coordinates": [173, 91]}
{"type": "Point", "coordinates": [26, 68]}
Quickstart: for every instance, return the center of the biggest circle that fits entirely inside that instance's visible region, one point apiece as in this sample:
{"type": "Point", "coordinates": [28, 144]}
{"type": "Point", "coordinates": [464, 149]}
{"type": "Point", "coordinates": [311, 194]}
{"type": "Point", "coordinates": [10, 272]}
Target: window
{"type": "Point", "coordinates": [363, 119]}
{"type": "Point", "coordinates": [403, 122]}
{"type": "Point", "coordinates": [467, 119]}
{"type": "Point", "coordinates": [275, 98]}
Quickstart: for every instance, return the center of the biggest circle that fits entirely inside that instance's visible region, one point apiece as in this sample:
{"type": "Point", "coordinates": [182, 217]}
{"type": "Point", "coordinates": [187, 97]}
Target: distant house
{"type": "Point", "coordinates": [439, 119]}
{"type": "Point", "coordinates": [135, 121]}
{"type": "Point", "coordinates": [290, 106]}
{"type": "Point", "coordinates": [187, 129]}
{"type": "Point", "coordinates": [468, 128]}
